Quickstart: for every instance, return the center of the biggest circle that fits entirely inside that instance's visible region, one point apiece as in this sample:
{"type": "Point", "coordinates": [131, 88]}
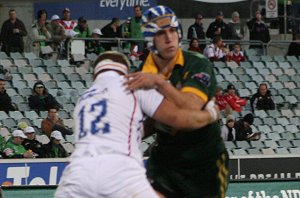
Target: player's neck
{"type": "Point", "coordinates": [164, 66]}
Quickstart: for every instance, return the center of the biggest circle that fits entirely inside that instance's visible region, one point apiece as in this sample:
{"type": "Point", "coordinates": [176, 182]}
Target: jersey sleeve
{"type": "Point", "coordinates": [149, 100]}
{"type": "Point", "coordinates": [200, 78]}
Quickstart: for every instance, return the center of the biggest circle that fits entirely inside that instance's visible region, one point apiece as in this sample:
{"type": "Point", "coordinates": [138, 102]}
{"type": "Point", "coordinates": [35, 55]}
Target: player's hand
{"type": "Point", "coordinates": [28, 154]}
{"type": "Point", "coordinates": [213, 110]}
{"type": "Point", "coordinates": [141, 80]}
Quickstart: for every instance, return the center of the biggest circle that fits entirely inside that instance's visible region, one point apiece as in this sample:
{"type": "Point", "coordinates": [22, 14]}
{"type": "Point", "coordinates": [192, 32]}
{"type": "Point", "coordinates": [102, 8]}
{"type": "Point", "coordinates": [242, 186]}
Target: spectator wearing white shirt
{"type": "Point", "coordinates": [215, 51]}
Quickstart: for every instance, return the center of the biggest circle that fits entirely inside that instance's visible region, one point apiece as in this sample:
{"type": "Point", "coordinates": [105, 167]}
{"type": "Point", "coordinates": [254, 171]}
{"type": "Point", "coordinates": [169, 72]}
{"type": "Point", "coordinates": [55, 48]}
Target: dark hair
{"type": "Point", "coordinates": [11, 10]}
{"type": "Point", "coordinates": [41, 12]}
{"type": "Point", "coordinates": [193, 39]}
{"type": "Point", "coordinates": [216, 39]}
{"type": "Point", "coordinates": [115, 20]}
{"type": "Point", "coordinates": [137, 6]}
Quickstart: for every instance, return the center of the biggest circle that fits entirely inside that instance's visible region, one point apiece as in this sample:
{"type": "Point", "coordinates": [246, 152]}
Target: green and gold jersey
{"type": "Point", "coordinates": [193, 73]}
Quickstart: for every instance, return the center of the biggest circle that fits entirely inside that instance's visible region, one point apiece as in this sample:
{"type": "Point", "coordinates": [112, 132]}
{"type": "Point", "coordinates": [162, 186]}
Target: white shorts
{"type": "Point", "coordinates": [113, 176]}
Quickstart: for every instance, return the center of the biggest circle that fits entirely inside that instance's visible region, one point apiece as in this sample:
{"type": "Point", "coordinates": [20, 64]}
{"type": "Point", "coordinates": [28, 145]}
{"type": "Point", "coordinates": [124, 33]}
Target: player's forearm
{"type": "Point", "coordinates": [181, 99]}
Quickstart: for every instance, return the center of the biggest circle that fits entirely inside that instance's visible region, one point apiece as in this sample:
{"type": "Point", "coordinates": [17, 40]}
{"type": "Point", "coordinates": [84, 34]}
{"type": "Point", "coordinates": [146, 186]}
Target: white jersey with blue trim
{"type": "Point", "coordinates": [108, 118]}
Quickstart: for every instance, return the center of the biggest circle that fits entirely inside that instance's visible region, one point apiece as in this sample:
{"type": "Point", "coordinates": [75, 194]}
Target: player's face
{"type": "Point", "coordinates": [167, 42]}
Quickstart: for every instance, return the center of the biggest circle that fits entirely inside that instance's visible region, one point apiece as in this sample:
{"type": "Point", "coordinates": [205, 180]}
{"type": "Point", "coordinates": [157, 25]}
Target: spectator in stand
{"type": "Point", "coordinates": [214, 51]}
{"type": "Point", "coordinates": [294, 47]}
{"type": "Point", "coordinates": [262, 100]}
{"type": "Point", "coordinates": [95, 46]}
{"type": "Point", "coordinates": [2, 144]}
{"type": "Point", "coordinates": [12, 33]}
{"type": "Point", "coordinates": [54, 122]}
{"type": "Point", "coordinates": [228, 131]}
{"type": "Point", "coordinates": [5, 101]}
{"type": "Point", "coordinates": [135, 28]}
{"type": "Point", "coordinates": [218, 28]}
{"type": "Point", "coordinates": [194, 45]}
{"type": "Point", "coordinates": [57, 32]}
{"type": "Point", "coordinates": [234, 101]}
{"type": "Point", "coordinates": [220, 100]}
{"type": "Point", "coordinates": [82, 28]}
{"type": "Point", "coordinates": [243, 129]}
{"type": "Point", "coordinates": [236, 27]}
{"type": "Point", "coordinates": [68, 23]}
{"type": "Point", "coordinates": [197, 30]}
{"type": "Point", "coordinates": [22, 126]}
{"type": "Point", "coordinates": [236, 55]}
{"type": "Point", "coordinates": [40, 32]}
{"type": "Point", "coordinates": [54, 147]}
{"type": "Point", "coordinates": [111, 30]}
{"type": "Point", "coordinates": [14, 147]}
{"type": "Point", "coordinates": [30, 143]}
{"type": "Point", "coordinates": [42, 14]}
{"type": "Point", "coordinates": [258, 31]}
{"type": "Point", "coordinates": [41, 100]}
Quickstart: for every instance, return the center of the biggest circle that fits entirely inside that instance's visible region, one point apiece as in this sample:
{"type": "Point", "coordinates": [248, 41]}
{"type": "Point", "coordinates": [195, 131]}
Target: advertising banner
{"type": "Point", "coordinates": [95, 9]}
{"type": "Point", "coordinates": [31, 173]}
{"type": "Point", "coordinates": [264, 189]}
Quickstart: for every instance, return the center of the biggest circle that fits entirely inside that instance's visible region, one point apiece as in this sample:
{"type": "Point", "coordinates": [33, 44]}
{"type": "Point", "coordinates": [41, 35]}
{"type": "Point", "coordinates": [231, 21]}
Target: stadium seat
{"type": "Point", "coordinates": [266, 58]}
{"type": "Point", "coordinates": [271, 78]}
{"type": "Point", "coordinates": [37, 122]}
{"type": "Point", "coordinates": [22, 62]}
{"type": "Point", "coordinates": [219, 64]}
{"type": "Point", "coordinates": [11, 92]}
{"type": "Point", "coordinates": [291, 58]}
{"type": "Point", "coordinates": [260, 113]}
{"type": "Point", "coordinates": [63, 114]}
{"type": "Point", "coordinates": [295, 150]}
{"type": "Point", "coordinates": [36, 62]}
{"type": "Point", "coordinates": [282, 121]}
{"type": "Point", "coordinates": [74, 77]}
{"type": "Point", "coordinates": [258, 78]}
{"type": "Point", "coordinates": [281, 151]}
{"type": "Point", "coordinates": [254, 151]}
{"type": "Point", "coordinates": [284, 78]}
{"type": "Point", "coordinates": [296, 143]}
{"type": "Point", "coordinates": [30, 77]}
{"type": "Point", "coordinates": [39, 70]}
{"type": "Point", "coordinates": [251, 71]}
{"type": "Point", "coordinates": [17, 115]}
{"type": "Point", "coordinates": [242, 144]}
{"type": "Point", "coordinates": [18, 99]}
{"type": "Point", "coordinates": [51, 84]}
{"type": "Point", "coordinates": [43, 139]}
{"type": "Point", "coordinates": [3, 115]}
{"type": "Point", "coordinates": [287, 112]}
{"type": "Point", "coordinates": [31, 115]}
{"type": "Point", "coordinates": [290, 71]}
{"type": "Point", "coordinates": [284, 64]}
{"type": "Point", "coordinates": [257, 144]}
{"type": "Point", "coordinates": [274, 113]}
{"type": "Point", "coordinates": [287, 135]}
{"type": "Point", "coordinates": [3, 55]}
{"type": "Point", "coordinates": [273, 136]}
{"type": "Point", "coordinates": [245, 77]}
{"type": "Point", "coordinates": [270, 143]}
{"type": "Point", "coordinates": [23, 106]}
{"type": "Point", "coordinates": [292, 128]}
{"type": "Point", "coordinates": [44, 77]}
{"type": "Point", "coordinates": [230, 77]}
{"type": "Point", "coordinates": [239, 151]}
{"type": "Point", "coordinates": [278, 128]}
{"type": "Point", "coordinates": [9, 123]}
{"type": "Point", "coordinates": [295, 120]}
{"type": "Point", "coordinates": [269, 121]}
{"type": "Point", "coordinates": [6, 62]}
{"type": "Point", "coordinates": [50, 63]}
{"type": "Point", "coordinates": [63, 63]}
{"type": "Point", "coordinates": [285, 143]}
{"type": "Point", "coordinates": [246, 64]}
{"type": "Point", "coordinates": [54, 70]}
{"type": "Point", "coordinates": [30, 55]}
{"type": "Point", "coordinates": [279, 58]}
{"type": "Point", "coordinates": [271, 65]}
{"type": "Point", "coordinates": [232, 64]}
{"type": "Point", "coordinates": [267, 151]}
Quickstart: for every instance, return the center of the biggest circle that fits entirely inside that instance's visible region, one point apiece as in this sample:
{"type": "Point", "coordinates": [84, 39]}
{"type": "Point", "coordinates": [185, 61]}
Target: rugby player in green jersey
{"type": "Point", "coordinates": [183, 164]}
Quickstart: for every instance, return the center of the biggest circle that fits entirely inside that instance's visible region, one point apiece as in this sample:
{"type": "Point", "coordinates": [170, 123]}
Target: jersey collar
{"type": "Point", "coordinates": [151, 67]}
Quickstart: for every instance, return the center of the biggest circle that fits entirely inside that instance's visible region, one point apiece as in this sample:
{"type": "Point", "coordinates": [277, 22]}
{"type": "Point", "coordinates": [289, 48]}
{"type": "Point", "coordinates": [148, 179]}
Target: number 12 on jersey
{"type": "Point", "coordinates": [98, 108]}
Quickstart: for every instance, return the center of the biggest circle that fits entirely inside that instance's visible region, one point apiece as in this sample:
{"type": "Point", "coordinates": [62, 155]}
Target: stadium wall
{"type": "Point", "coordinates": [48, 171]}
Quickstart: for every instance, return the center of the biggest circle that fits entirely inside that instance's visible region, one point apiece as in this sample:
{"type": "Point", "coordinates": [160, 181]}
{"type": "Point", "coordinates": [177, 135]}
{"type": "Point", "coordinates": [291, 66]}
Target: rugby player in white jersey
{"type": "Point", "coordinates": [107, 161]}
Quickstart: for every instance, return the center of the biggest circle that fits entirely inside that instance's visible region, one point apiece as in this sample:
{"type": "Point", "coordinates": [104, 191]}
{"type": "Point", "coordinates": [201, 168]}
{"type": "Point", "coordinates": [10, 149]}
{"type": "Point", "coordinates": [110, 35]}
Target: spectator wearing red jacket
{"type": "Point", "coordinates": [235, 102]}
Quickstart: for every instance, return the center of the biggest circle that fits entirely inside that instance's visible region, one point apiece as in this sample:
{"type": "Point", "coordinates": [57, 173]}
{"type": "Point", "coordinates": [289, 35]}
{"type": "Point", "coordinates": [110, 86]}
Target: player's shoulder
{"type": "Point", "coordinates": [195, 60]}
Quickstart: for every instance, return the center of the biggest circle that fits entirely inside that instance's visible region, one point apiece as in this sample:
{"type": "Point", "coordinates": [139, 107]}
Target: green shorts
{"type": "Point", "coordinates": [208, 180]}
